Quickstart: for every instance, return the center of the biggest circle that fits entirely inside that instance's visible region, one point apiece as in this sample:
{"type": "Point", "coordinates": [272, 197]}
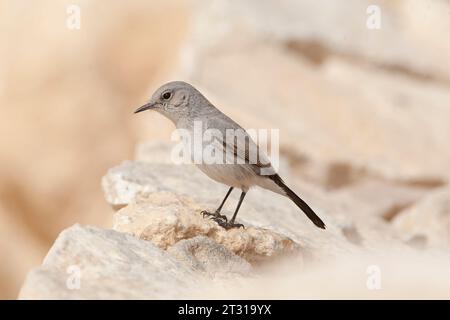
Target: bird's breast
{"type": "Point", "coordinates": [233, 175]}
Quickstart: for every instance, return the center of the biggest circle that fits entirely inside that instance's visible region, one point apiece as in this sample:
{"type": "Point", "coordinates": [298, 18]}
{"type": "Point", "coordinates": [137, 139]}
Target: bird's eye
{"type": "Point", "coordinates": [167, 95]}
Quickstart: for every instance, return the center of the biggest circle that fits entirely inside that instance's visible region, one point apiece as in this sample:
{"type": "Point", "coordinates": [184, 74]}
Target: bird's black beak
{"type": "Point", "coordinates": [145, 107]}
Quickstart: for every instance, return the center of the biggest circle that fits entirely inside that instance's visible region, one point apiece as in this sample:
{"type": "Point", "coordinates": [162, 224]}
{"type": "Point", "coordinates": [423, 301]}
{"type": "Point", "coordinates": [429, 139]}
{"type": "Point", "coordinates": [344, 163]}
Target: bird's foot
{"type": "Point", "coordinates": [214, 216]}
{"type": "Point", "coordinates": [228, 225]}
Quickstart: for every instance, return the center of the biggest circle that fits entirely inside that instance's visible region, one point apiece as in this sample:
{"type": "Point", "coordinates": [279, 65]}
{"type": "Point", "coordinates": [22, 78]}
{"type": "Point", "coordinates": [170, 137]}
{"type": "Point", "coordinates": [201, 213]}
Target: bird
{"type": "Point", "coordinates": [244, 165]}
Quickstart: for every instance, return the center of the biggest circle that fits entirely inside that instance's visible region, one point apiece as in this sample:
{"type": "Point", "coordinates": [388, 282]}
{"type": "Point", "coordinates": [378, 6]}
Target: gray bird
{"type": "Point", "coordinates": [184, 105]}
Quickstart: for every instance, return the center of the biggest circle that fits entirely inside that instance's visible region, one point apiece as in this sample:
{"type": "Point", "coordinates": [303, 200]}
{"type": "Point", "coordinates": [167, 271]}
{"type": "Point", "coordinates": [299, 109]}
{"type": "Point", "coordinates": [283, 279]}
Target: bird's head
{"type": "Point", "coordinates": [174, 100]}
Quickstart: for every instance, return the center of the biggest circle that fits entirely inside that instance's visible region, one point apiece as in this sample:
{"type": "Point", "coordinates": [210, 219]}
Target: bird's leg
{"type": "Point", "coordinates": [230, 224]}
{"type": "Point", "coordinates": [223, 201]}
{"type": "Point", "coordinates": [217, 215]}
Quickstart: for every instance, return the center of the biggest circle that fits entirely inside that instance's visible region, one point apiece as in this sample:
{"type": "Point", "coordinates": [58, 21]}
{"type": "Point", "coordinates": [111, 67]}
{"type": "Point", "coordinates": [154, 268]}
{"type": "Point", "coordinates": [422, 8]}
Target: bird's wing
{"type": "Point", "coordinates": [236, 141]}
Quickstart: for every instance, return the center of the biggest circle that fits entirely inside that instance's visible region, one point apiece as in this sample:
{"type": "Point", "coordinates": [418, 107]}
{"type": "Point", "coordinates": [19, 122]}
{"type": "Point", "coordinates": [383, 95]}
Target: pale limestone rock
{"type": "Point", "coordinates": [183, 191]}
{"type": "Point", "coordinates": [121, 186]}
{"type": "Point", "coordinates": [164, 207]}
{"type": "Point", "coordinates": [125, 182]}
{"type": "Point", "coordinates": [380, 198]}
{"type": "Point", "coordinates": [204, 254]}
{"type": "Point", "coordinates": [327, 27]}
{"type": "Point", "coordinates": [405, 274]}
{"type": "Point", "coordinates": [165, 219]}
{"type": "Point", "coordinates": [111, 265]}
{"type": "Point", "coordinates": [427, 223]}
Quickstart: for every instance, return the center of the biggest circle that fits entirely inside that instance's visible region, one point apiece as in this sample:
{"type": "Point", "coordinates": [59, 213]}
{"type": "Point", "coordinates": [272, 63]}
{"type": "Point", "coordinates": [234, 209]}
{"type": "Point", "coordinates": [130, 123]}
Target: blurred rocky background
{"type": "Point", "coordinates": [364, 114]}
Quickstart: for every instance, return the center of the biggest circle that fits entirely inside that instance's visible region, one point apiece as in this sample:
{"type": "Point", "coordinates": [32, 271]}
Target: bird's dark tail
{"type": "Point", "coordinates": [298, 201]}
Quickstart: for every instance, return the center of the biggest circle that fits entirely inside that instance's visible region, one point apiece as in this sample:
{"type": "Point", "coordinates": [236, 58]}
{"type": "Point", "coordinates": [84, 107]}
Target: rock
{"type": "Point", "coordinates": [306, 27]}
{"type": "Point", "coordinates": [91, 263]}
{"type": "Point", "coordinates": [165, 191]}
{"type": "Point", "coordinates": [427, 223]}
{"type": "Point", "coordinates": [124, 183]}
{"type": "Point", "coordinates": [161, 196]}
{"type": "Point", "coordinates": [204, 254]}
{"type": "Point", "coordinates": [380, 198]}
{"type": "Point", "coordinates": [404, 274]}
{"type": "Point", "coordinates": [110, 265]}
{"type": "Point", "coordinates": [165, 219]}
{"type": "Point", "coordinates": [162, 247]}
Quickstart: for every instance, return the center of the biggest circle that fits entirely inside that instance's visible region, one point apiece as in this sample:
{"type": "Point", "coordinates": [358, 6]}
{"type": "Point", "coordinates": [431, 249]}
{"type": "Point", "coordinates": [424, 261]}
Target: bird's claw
{"type": "Point", "coordinates": [227, 225]}
{"type": "Point", "coordinates": [213, 216]}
